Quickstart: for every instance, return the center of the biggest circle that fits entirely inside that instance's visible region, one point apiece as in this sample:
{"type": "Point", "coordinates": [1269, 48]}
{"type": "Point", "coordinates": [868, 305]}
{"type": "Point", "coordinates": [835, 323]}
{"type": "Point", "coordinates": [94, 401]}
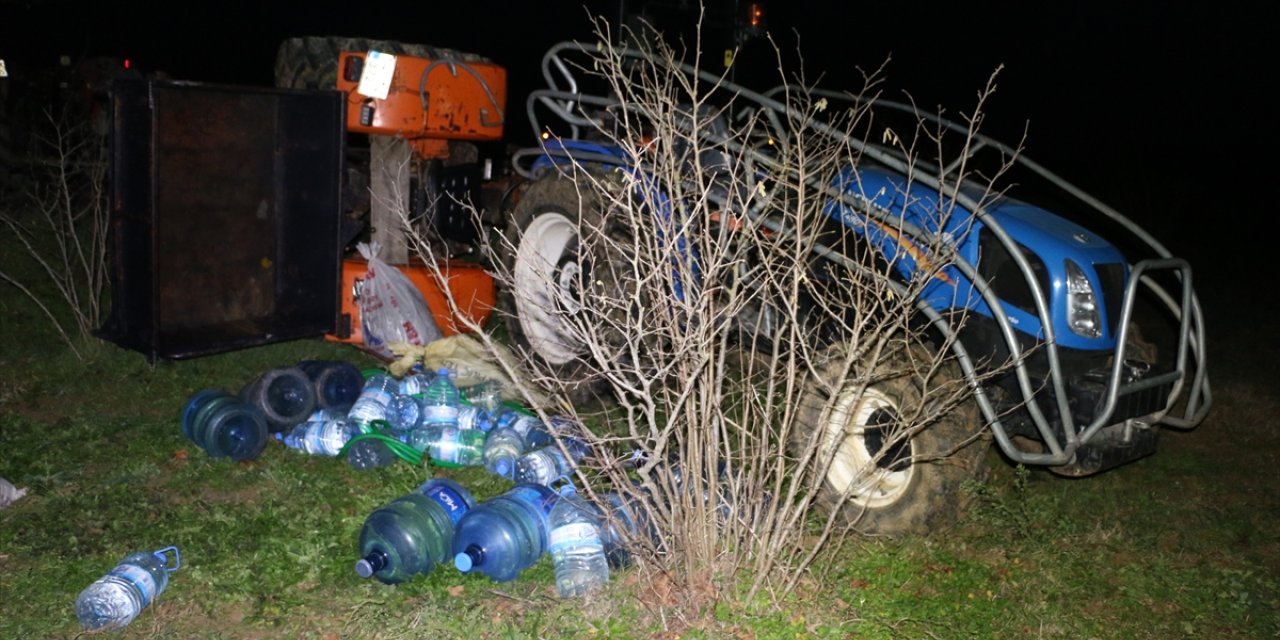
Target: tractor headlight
{"type": "Point", "coordinates": [1082, 305]}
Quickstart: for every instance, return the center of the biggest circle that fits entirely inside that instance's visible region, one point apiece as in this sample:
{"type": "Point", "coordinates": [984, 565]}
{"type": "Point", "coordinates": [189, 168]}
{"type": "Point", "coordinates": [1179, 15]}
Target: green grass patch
{"type": "Point", "coordinates": [1183, 544]}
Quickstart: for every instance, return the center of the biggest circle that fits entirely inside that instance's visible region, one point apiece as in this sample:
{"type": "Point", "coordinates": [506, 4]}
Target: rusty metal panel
{"type": "Point", "coordinates": [225, 216]}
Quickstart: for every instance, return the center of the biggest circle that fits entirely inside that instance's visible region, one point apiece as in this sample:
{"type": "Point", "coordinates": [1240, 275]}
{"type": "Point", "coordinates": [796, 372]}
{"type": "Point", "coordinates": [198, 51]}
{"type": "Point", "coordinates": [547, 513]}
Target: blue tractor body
{"type": "Point", "coordinates": [1007, 281]}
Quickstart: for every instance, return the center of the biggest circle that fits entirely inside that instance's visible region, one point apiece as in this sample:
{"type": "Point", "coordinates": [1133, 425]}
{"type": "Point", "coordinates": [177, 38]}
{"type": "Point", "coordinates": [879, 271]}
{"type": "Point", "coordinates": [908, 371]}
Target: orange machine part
{"type": "Point", "coordinates": [472, 289]}
{"type": "Point", "coordinates": [457, 106]}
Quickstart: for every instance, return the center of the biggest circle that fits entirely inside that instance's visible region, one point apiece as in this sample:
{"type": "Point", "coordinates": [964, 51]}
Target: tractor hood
{"type": "Point", "coordinates": [1047, 240]}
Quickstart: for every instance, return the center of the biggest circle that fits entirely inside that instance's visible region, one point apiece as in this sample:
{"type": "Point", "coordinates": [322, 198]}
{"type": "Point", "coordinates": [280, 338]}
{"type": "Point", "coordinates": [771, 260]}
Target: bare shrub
{"type": "Point", "coordinates": [63, 229]}
{"type": "Point", "coordinates": [746, 335]}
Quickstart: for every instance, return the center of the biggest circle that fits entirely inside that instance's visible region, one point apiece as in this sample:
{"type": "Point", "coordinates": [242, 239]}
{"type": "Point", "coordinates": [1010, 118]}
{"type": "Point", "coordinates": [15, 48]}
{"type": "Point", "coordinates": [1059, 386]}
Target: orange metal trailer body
{"type": "Point", "coordinates": [428, 99]}
{"type": "Point", "coordinates": [471, 286]}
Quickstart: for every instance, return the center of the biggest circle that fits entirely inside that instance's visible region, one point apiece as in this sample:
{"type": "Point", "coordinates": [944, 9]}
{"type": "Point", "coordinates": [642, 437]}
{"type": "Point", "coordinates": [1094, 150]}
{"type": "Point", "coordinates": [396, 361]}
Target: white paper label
{"type": "Point", "coordinates": [375, 81]}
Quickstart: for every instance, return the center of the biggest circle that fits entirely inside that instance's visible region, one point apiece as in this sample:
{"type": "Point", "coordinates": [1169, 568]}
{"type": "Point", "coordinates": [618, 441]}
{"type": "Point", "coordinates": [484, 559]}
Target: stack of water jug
{"type": "Point", "coordinates": [499, 538]}
{"type": "Point", "coordinates": [326, 407]}
{"type": "Point", "coordinates": [237, 426]}
{"type": "Point", "coordinates": [330, 408]}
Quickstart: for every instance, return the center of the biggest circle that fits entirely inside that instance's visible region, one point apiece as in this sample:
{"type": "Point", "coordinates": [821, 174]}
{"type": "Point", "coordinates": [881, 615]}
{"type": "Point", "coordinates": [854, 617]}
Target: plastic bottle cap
{"type": "Point", "coordinates": [363, 568]}
{"type": "Point", "coordinates": [502, 467]}
{"type": "Point", "coordinates": [463, 562]}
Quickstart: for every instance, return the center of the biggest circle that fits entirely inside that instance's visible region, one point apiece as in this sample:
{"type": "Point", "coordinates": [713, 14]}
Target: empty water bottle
{"type": "Point", "coordinates": [415, 383]}
{"type": "Point", "coordinates": [336, 383]}
{"type": "Point", "coordinates": [375, 399]}
{"type": "Point", "coordinates": [405, 413]}
{"type": "Point", "coordinates": [413, 533]}
{"type": "Point", "coordinates": [675, 476]}
{"type": "Point", "coordinates": [486, 395]}
{"type": "Point", "coordinates": [535, 434]}
{"type": "Point", "coordinates": [329, 413]}
{"type": "Point", "coordinates": [114, 600]}
{"type": "Point", "coordinates": [624, 520]}
{"type": "Point", "coordinates": [369, 453]}
{"type": "Point", "coordinates": [285, 396]}
{"type": "Point", "coordinates": [440, 401]}
{"type": "Point", "coordinates": [199, 401]}
{"type": "Point", "coordinates": [505, 535]}
{"type": "Point", "coordinates": [223, 426]}
{"type": "Point", "coordinates": [548, 464]}
{"type": "Point", "coordinates": [575, 544]}
{"type": "Point", "coordinates": [501, 450]}
{"type": "Point", "coordinates": [474, 417]}
{"type": "Point", "coordinates": [448, 445]}
{"type": "Point", "coordinates": [320, 438]}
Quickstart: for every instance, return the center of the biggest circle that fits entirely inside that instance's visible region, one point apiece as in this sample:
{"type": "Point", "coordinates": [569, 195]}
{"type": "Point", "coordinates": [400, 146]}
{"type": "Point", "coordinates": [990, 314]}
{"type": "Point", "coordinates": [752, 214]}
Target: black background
{"type": "Point", "coordinates": [1164, 109]}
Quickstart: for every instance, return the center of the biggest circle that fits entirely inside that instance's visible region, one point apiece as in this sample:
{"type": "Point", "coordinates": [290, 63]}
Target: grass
{"type": "Point", "coordinates": [1183, 544]}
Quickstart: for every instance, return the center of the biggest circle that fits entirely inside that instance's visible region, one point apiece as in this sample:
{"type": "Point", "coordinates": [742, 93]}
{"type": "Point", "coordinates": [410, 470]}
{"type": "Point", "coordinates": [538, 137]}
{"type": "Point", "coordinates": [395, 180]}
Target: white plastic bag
{"type": "Point", "coordinates": [392, 310]}
{"type": "Point", "coordinates": [9, 493]}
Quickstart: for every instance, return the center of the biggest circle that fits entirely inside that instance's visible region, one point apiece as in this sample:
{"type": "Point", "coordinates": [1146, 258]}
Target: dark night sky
{"type": "Point", "coordinates": [1155, 105]}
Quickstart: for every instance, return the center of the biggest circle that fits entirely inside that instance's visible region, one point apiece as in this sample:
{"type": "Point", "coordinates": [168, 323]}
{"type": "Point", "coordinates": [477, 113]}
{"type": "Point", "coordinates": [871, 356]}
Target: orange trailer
{"type": "Point", "coordinates": [471, 286]}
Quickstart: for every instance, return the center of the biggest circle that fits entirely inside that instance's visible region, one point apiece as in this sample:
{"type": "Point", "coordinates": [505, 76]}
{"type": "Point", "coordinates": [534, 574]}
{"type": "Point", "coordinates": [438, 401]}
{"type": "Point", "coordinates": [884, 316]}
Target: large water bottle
{"type": "Point", "coordinates": [414, 533]}
{"type": "Point", "coordinates": [375, 399]}
{"type": "Point", "coordinates": [336, 383]}
{"type": "Point", "coordinates": [320, 438]}
{"type": "Point", "coordinates": [448, 445]}
{"type": "Point", "coordinates": [285, 396]}
{"type": "Point", "coordinates": [114, 600]}
{"type": "Point", "coordinates": [223, 426]}
{"type": "Point", "coordinates": [199, 401]}
{"type": "Point", "coordinates": [501, 450]}
{"type": "Point", "coordinates": [548, 464]}
{"type": "Point", "coordinates": [505, 535]}
{"type": "Point", "coordinates": [574, 541]}
{"type": "Point", "coordinates": [440, 401]}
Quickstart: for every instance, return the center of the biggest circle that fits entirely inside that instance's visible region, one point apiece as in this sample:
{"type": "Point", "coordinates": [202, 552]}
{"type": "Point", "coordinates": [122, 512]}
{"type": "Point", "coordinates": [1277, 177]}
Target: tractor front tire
{"type": "Point", "coordinates": [899, 461]}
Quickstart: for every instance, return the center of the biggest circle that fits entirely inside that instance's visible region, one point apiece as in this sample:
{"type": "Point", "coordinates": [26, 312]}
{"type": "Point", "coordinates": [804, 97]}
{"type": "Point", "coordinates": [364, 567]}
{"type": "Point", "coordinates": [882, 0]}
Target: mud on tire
{"type": "Point", "coordinates": [889, 476]}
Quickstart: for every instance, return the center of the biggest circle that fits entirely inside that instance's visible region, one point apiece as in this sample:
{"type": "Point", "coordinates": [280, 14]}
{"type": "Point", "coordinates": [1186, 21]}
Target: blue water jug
{"type": "Point", "coordinates": [413, 533]}
{"type": "Point", "coordinates": [224, 426]}
{"type": "Point", "coordinates": [285, 396]}
{"type": "Point", "coordinates": [505, 535]}
{"type": "Point", "coordinates": [336, 383]}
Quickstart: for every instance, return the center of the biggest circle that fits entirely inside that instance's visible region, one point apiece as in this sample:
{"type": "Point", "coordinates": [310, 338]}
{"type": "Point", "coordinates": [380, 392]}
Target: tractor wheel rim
{"type": "Point", "coordinates": [543, 296]}
{"type": "Point", "coordinates": [862, 469]}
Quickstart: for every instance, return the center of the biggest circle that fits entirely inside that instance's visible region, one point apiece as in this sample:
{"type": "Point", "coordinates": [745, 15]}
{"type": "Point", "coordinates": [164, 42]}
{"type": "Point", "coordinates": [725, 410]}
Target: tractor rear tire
{"type": "Point", "coordinates": [311, 62]}
{"type": "Point", "coordinates": [555, 280]}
